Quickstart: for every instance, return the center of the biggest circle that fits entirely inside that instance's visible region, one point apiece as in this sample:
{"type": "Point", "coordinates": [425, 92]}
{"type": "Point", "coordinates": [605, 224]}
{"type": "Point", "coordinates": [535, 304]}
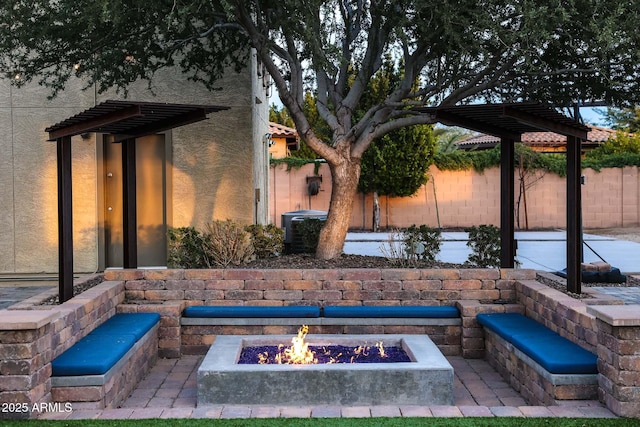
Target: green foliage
{"type": "Point", "coordinates": [227, 243]}
{"type": "Point", "coordinates": [309, 231]}
{"type": "Point", "coordinates": [625, 119]}
{"type": "Point", "coordinates": [617, 152]}
{"type": "Point", "coordinates": [622, 143]}
{"type": "Point", "coordinates": [221, 244]}
{"type": "Point", "coordinates": [427, 239]}
{"type": "Point", "coordinates": [484, 242]}
{"type": "Point", "coordinates": [268, 240]}
{"type": "Point", "coordinates": [465, 160]}
{"type": "Point", "coordinates": [615, 160]}
{"type": "Point", "coordinates": [186, 248]}
{"type": "Point", "coordinates": [280, 115]}
{"type": "Point", "coordinates": [291, 162]}
{"type": "Point", "coordinates": [447, 138]}
{"type": "Point", "coordinates": [396, 165]}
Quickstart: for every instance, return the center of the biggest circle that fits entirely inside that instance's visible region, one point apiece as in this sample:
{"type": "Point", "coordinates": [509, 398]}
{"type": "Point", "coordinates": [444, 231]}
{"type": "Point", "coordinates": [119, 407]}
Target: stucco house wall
{"type": "Point", "coordinates": [215, 168]}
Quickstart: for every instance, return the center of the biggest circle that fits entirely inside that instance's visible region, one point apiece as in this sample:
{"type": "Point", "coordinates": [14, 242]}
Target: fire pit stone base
{"type": "Point", "coordinates": [427, 380]}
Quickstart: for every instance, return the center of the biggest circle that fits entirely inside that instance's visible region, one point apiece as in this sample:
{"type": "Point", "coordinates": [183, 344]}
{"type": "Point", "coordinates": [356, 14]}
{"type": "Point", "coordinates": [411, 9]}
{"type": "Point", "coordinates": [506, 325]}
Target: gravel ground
{"type": "Point", "coordinates": [631, 234]}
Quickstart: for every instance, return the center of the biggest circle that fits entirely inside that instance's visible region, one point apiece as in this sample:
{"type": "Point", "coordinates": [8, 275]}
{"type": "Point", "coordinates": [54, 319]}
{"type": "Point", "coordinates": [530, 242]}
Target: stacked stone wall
{"type": "Point", "coordinates": [168, 292]}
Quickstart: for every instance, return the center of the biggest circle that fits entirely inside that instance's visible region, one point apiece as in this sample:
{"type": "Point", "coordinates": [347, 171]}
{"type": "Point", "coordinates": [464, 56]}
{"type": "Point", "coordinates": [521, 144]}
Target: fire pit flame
{"type": "Point", "coordinates": [299, 353]}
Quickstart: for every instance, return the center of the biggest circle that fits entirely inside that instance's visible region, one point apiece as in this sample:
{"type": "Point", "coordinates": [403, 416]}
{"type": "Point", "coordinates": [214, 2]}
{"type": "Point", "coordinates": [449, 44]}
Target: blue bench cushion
{"type": "Point", "coordinates": [429, 312]}
{"type": "Point", "coordinates": [251, 311]}
{"type": "Point", "coordinates": [553, 352]}
{"type": "Point", "coordinates": [101, 349]}
{"type": "Point", "coordinates": [557, 354]}
{"type": "Point", "coordinates": [508, 325]}
{"type": "Point", "coordinates": [136, 324]}
{"type": "Point", "coordinates": [92, 355]}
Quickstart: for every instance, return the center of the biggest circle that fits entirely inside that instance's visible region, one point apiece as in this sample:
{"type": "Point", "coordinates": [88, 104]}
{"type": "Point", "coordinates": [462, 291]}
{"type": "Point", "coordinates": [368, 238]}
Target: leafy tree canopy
{"type": "Point", "coordinates": [459, 51]}
{"type": "Point", "coordinates": [625, 119]}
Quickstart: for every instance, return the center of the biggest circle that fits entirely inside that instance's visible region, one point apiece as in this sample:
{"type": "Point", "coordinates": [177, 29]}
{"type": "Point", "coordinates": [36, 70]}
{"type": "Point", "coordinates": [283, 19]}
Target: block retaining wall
{"type": "Point", "coordinates": [170, 291]}
{"type": "Point", "coordinates": [27, 348]}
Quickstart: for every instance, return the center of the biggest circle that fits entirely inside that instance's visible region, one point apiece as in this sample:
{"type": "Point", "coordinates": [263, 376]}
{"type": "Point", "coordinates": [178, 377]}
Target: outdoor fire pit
{"type": "Point", "coordinates": [426, 380]}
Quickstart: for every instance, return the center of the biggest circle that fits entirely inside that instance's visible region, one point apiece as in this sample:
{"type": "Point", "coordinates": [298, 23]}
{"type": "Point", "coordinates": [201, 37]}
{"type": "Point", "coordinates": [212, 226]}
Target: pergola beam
{"type": "Point", "coordinates": [448, 118]}
{"type": "Point", "coordinates": [544, 124]}
{"type": "Point", "coordinates": [91, 125]}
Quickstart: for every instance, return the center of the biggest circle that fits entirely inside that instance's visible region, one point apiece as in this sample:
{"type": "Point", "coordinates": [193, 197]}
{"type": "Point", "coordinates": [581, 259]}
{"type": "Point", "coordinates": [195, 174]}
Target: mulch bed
{"type": "Point", "coordinates": [308, 261]}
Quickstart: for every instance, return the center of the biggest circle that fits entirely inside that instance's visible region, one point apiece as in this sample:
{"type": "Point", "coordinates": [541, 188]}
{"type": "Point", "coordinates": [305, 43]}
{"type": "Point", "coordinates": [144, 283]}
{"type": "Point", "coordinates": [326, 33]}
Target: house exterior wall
{"type": "Point", "coordinates": [279, 148]}
{"type": "Point", "coordinates": [610, 198]}
{"type": "Point", "coordinates": [214, 167]}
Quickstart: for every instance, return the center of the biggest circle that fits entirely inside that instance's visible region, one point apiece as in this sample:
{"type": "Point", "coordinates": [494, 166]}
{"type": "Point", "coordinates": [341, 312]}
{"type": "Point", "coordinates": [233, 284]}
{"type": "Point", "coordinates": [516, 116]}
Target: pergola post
{"type": "Point", "coordinates": [507, 226]}
{"type": "Point", "coordinates": [574, 216]}
{"type": "Point", "coordinates": [129, 223]}
{"type": "Point", "coordinates": [65, 219]}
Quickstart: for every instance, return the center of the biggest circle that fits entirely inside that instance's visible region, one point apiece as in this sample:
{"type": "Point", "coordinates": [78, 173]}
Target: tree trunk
{"type": "Point", "coordinates": [345, 185]}
{"type": "Point", "coordinates": [376, 211]}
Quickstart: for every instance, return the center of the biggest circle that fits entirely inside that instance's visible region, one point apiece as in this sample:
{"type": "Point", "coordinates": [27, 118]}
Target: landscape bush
{"type": "Point", "coordinates": [484, 242]}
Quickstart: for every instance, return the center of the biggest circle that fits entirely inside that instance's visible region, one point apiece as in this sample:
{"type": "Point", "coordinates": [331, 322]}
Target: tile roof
{"type": "Point", "coordinates": [281, 131]}
{"type": "Point", "coordinates": [595, 136]}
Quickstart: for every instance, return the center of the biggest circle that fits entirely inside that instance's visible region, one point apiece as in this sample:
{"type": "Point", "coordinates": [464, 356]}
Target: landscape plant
{"type": "Point", "coordinates": [226, 243]}
{"type": "Point", "coordinates": [394, 250]}
{"type": "Point", "coordinates": [484, 241]}
{"type": "Point", "coordinates": [268, 240]}
{"type": "Point", "coordinates": [309, 230]}
{"type": "Point", "coordinates": [427, 239]}
{"type": "Point", "coordinates": [186, 248]}
{"type": "Point", "coordinates": [222, 243]}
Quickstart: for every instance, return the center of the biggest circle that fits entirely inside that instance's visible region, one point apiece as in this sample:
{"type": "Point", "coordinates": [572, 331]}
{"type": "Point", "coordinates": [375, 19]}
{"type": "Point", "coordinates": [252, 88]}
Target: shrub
{"type": "Point", "coordinates": [186, 248]}
{"type": "Point", "coordinates": [394, 250]}
{"type": "Point", "coordinates": [484, 242]}
{"type": "Point", "coordinates": [309, 230]}
{"type": "Point", "coordinates": [268, 240]}
{"type": "Point", "coordinates": [227, 243]}
{"type": "Point", "coordinates": [422, 242]}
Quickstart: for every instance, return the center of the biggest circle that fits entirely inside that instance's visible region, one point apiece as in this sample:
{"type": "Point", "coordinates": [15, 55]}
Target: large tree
{"type": "Point", "coordinates": [560, 51]}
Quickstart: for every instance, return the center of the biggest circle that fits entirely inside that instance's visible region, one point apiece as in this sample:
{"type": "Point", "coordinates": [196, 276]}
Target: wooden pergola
{"type": "Point", "coordinates": [509, 122]}
{"type": "Point", "coordinates": [126, 121]}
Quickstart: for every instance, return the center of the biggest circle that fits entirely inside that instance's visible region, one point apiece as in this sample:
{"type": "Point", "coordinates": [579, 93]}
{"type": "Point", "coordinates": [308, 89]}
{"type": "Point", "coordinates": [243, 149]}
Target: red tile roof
{"type": "Point", "coordinates": [281, 131]}
{"type": "Point", "coordinates": [596, 136]}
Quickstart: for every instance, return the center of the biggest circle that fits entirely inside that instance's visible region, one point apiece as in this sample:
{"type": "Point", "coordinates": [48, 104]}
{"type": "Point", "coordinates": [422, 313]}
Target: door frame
{"type": "Point", "coordinates": [101, 140]}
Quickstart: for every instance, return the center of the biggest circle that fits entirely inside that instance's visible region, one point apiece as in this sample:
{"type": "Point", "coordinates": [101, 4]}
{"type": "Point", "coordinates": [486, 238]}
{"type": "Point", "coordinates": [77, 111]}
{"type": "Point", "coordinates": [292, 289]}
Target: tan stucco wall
{"type": "Point", "coordinates": [213, 168]}
{"type": "Point", "coordinates": [610, 198]}
{"type": "Point", "coordinates": [28, 180]}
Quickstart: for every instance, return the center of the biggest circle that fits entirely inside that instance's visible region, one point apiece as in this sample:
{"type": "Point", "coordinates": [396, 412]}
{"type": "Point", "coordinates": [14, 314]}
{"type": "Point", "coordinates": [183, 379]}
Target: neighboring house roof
{"type": "Point", "coordinates": [541, 140]}
{"type": "Point", "coordinates": [281, 131]}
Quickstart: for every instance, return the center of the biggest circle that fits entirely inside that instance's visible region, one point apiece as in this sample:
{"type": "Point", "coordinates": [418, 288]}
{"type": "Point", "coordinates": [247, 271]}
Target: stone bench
{"type": "Point", "coordinates": [539, 363]}
{"type": "Point", "coordinates": [101, 369]}
{"type": "Point", "coordinates": [200, 324]}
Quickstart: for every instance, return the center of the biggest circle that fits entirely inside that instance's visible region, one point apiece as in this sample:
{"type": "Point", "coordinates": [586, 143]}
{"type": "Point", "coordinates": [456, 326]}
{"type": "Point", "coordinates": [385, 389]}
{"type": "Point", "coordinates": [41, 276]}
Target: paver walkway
{"type": "Point", "coordinates": [16, 291]}
{"type": "Point", "coordinates": [169, 391]}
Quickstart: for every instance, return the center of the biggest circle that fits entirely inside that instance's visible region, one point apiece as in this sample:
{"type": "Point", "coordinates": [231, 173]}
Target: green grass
{"type": "Point", "coordinates": [336, 422]}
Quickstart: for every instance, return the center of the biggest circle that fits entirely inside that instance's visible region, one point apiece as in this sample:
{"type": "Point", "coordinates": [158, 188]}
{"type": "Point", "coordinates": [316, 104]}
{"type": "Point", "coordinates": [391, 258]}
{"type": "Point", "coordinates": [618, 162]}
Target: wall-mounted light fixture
{"type": "Point", "coordinates": [266, 139]}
